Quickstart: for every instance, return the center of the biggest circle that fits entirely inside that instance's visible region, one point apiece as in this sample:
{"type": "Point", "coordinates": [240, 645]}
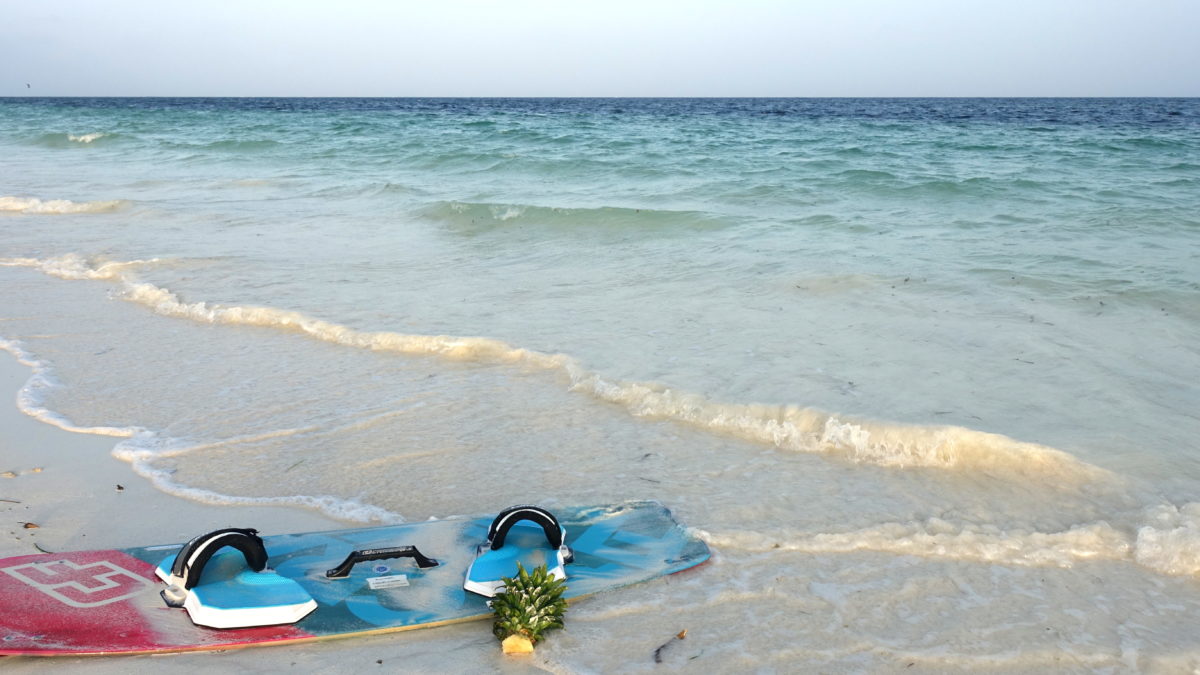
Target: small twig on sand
{"type": "Point", "coordinates": [35, 545]}
{"type": "Point", "coordinates": [658, 652]}
{"type": "Point", "coordinates": [10, 501]}
{"type": "Point", "coordinates": [293, 466]}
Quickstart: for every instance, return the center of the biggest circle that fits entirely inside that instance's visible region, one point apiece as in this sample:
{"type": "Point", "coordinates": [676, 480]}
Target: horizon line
{"type": "Point", "coordinates": [581, 97]}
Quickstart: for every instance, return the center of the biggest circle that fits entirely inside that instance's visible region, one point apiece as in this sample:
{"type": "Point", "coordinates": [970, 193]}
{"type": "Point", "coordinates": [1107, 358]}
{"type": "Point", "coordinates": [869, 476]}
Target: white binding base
{"type": "Point", "coordinates": [486, 572]}
{"type": "Point", "coordinates": [211, 616]}
{"type": "Point", "coordinates": [231, 596]}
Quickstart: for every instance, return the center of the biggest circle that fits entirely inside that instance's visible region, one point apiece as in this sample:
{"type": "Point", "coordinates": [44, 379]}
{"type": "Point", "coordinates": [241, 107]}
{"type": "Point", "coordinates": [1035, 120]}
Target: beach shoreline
{"type": "Point", "coordinates": [65, 483]}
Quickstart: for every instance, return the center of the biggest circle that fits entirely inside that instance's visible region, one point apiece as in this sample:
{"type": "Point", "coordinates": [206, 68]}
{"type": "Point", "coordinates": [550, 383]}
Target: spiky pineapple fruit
{"type": "Point", "coordinates": [530, 605]}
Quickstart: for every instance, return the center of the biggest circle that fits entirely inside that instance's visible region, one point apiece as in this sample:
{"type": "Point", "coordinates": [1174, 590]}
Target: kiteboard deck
{"type": "Point", "coordinates": [107, 602]}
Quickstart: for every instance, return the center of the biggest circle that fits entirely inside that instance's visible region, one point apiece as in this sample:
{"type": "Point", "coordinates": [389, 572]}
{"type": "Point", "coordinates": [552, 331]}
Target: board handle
{"type": "Point", "coordinates": [343, 570]}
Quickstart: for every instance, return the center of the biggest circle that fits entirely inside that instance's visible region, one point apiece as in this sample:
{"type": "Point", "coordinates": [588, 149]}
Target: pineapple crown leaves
{"type": "Point", "coordinates": [530, 604]}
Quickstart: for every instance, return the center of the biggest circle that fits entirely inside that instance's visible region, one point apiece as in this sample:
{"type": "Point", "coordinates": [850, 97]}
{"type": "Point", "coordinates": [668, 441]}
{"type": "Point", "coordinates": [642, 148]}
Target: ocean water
{"type": "Point", "coordinates": [922, 372]}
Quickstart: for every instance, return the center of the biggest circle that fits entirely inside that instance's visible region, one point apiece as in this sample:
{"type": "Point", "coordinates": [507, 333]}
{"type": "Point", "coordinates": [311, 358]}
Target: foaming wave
{"type": "Point", "coordinates": [167, 303]}
{"type": "Point", "coordinates": [786, 427]}
{"type": "Point", "coordinates": [805, 429]}
{"type": "Point", "coordinates": [142, 447]}
{"type": "Point", "coordinates": [1171, 543]}
{"type": "Point", "coordinates": [74, 267]}
{"type": "Point", "coordinates": [937, 538]}
{"type": "Point", "coordinates": [69, 140]}
{"type": "Point", "coordinates": [57, 206]}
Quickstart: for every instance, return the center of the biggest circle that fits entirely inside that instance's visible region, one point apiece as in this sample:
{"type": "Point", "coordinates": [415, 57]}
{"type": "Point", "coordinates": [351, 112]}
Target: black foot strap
{"type": "Point", "coordinates": [191, 559]}
{"type": "Point", "coordinates": [515, 514]}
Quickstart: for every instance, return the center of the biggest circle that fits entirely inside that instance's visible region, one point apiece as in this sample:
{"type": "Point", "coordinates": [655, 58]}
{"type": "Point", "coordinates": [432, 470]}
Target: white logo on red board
{"type": "Point", "coordinates": [90, 585]}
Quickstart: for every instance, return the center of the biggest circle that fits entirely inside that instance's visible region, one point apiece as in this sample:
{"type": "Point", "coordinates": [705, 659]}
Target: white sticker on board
{"type": "Point", "coordinates": [393, 581]}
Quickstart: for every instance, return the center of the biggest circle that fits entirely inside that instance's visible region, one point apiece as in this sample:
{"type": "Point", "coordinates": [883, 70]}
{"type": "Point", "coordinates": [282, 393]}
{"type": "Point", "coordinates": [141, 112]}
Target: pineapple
{"type": "Point", "coordinates": [530, 604]}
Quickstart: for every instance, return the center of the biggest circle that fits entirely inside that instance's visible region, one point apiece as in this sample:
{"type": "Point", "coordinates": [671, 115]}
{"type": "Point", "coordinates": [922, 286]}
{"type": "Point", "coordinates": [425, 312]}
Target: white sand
{"type": "Point", "coordinates": [75, 502]}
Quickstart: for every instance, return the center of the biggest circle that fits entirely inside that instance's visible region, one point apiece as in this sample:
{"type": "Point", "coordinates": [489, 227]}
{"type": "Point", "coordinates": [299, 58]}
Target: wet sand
{"type": "Point", "coordinates": [66, 484]}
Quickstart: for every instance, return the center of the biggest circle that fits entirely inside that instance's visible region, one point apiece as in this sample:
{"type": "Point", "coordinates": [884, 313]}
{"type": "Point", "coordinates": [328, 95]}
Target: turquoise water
{"type": "Point", "coordinates": [866, 344]}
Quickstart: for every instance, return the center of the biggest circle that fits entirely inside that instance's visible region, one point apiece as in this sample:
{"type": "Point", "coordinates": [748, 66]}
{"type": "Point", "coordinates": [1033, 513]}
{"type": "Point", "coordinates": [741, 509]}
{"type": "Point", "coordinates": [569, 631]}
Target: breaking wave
{"type": "Point", "coordinates": [57, 206]}
{"type": "Point", "coordinates": [68, 140]}
{"type": "Point", "coordinates": [787, 427]}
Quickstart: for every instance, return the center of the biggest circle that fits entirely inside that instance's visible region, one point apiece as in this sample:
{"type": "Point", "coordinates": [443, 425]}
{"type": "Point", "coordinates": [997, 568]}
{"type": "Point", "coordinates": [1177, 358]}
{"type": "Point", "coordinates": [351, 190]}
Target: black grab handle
{"type": "Point", "coordinates": [343, 570]}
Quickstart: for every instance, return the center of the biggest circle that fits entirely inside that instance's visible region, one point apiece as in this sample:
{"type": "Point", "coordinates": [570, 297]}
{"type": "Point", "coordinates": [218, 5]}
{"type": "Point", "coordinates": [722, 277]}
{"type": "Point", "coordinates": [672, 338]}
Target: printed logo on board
{"type": "Point", "coordinates": [90, 585]}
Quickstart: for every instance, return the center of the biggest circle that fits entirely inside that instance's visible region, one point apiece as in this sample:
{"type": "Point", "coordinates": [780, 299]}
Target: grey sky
{"type": "Point", "coordinates": [600, 48]}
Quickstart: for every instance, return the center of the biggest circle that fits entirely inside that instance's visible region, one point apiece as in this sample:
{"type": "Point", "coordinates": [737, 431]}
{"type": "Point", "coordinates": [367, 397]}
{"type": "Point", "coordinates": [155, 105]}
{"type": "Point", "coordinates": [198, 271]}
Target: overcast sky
{"type": "Point", "coordinates": [600, 48]}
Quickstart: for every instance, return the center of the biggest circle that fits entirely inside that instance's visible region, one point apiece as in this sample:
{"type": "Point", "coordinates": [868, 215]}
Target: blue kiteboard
{"type": "Point", "coordinates": [301, 587]}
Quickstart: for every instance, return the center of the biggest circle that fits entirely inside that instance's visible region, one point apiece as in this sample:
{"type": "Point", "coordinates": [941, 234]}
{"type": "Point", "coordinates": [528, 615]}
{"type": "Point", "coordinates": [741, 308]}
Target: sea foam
{"type": "Point", "coordinates": [76, 267]}
{"type": "Point", "coordinates": [57, 206]}
{"type": "Point", "coordinates": [939, 538]}
{"type": "Point", "coordinates": [1170, 543]}
{"type": "Point", "coordinates": [142, 447]}
{"type": "Point", "coordinates": [787, 427]}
